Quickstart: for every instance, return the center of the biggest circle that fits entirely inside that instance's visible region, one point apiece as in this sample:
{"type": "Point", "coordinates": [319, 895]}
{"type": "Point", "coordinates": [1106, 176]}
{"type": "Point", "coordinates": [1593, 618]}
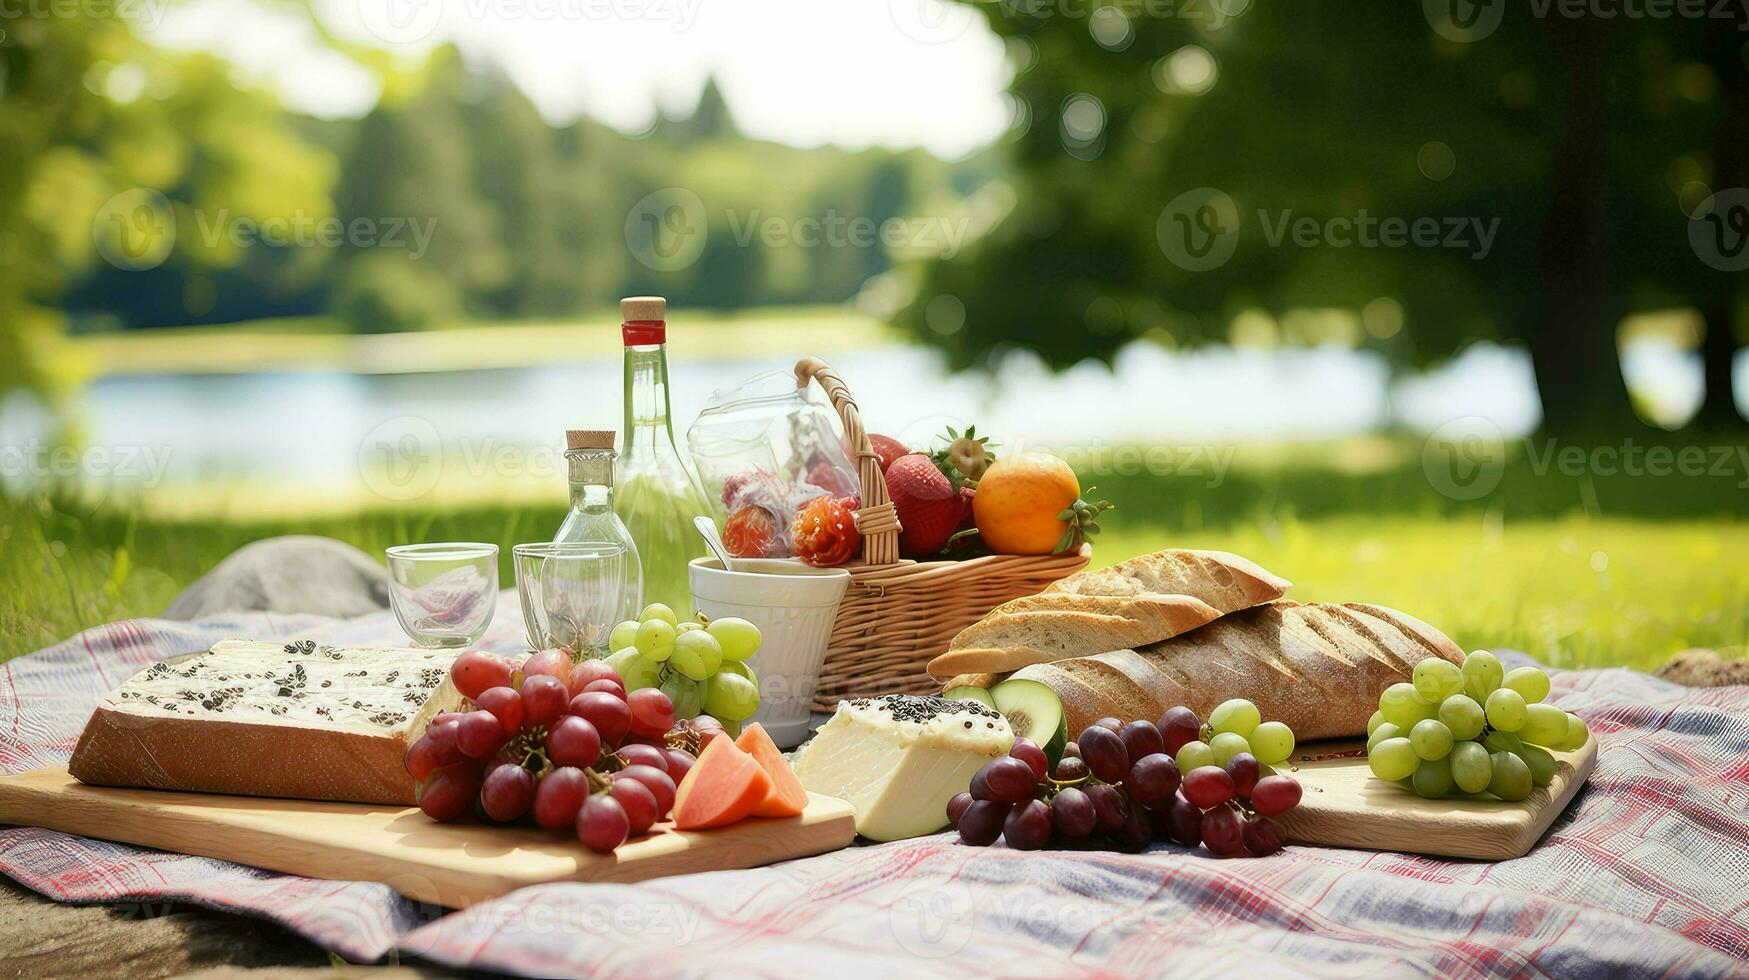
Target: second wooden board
{"type": "Point", "coordinates": [1346, 806]}
{"type": "Point", "coordinates": [450, 864]}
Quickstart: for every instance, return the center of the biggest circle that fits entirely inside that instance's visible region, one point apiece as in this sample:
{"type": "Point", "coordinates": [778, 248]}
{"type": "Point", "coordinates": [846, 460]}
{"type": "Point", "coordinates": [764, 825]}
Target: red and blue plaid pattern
{"type": "Point", "coordinates": [1646, 874]}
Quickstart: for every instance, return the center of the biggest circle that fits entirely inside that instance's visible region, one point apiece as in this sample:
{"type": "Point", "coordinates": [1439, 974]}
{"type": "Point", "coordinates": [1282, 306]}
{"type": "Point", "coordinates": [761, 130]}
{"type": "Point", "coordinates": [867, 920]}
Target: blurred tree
{"type": "Point", "coordinates": [139, 171]}
{"type": "Point", "coordinates": [413, 161]}
{"type": "Point", "coordinates": [516, 172]}
{"type": "Point", "coordinates": [1529, 148]}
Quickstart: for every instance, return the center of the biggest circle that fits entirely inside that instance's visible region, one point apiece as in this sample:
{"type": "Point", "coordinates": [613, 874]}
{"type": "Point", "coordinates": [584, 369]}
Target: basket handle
{"type": "Point", "coordinates": [877, 521]}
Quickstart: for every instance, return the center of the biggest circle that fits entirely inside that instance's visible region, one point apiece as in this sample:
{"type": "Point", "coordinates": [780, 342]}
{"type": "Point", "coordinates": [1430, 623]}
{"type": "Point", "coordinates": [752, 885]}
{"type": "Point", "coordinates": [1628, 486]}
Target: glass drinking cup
{"type": "Point", "coordinates": [443, 594]}
{"type": "Point", "coordinates": [571, 593]}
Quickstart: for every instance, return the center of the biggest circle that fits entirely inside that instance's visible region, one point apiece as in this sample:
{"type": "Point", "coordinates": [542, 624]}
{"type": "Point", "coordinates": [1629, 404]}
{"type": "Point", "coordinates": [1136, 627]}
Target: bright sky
{"type": "Point", "coordinates": [853, 72]}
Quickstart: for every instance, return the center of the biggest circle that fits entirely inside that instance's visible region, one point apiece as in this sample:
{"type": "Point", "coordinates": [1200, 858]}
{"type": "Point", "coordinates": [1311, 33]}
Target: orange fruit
{"type": "Point", "coordinates": [1018, 502]}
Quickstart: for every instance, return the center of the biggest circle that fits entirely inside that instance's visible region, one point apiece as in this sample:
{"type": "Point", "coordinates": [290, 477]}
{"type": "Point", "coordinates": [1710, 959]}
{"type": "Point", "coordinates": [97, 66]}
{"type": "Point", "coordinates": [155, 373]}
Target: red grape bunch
{"type": "Point", "coordinates": [1118, 786]}
{"type": "Point", "coordinates": [558, 742]}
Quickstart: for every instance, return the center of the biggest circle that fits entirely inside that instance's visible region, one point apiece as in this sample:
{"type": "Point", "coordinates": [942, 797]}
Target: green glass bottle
{"type": "Point", "coordinates": [658, 493]}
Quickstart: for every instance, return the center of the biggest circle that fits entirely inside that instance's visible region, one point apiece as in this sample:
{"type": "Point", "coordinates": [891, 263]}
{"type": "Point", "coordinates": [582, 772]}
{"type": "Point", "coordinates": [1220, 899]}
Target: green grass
{"type": "Point", "coordinates": [1578, 572]}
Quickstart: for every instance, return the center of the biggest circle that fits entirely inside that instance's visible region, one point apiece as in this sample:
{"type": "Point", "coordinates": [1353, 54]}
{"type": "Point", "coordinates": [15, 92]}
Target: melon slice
{"type": "Point", "coordinates": [723, 786]}
{"type": "Point", "coordinates": [787, 797]}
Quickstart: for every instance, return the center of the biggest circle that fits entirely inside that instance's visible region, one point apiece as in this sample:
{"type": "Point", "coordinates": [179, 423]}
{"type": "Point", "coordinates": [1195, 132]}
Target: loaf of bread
{"type": "Point", "coordinates": [1131, 604]}
{"type": "Point", "coordinates": [1318, 667]}
{"type": "Point", "coordinates": [264, 719]}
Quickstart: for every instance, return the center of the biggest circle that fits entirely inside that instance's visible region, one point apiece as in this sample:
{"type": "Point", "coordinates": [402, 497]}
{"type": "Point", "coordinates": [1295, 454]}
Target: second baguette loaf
{"type": "Point", "coordinates": [1133, 603]}
{"type": "Point", "coordinates": [1317, 667]}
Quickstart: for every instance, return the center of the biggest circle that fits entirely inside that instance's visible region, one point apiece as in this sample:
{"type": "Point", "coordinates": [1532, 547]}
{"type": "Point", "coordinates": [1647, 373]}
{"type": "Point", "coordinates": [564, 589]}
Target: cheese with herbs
{"type": "Point", "coordinates": [899, 758]}
{"type": "Point", "coordinates": [267, 719]}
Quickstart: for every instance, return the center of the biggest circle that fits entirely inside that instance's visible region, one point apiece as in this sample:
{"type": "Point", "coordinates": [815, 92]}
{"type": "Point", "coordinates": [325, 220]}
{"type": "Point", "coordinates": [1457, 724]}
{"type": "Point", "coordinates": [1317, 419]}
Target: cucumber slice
{"type": "Point", "coordinates": [966, 693]}
{"type": "Point", "coordinates": [1034, 712]}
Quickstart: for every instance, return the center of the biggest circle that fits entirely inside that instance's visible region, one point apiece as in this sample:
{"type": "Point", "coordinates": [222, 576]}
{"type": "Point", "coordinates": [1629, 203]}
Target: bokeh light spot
{"type": "Point", "coordinates": [945, 314]}
{"type": "Point", "coordinates": [1435, 160]}
{"type": "Point", "coordinates": [1111, 28]}
{"type": "Point", "coordinates": [1190, 70]}
{"type": "Point", "coordinates": [1382, 318]}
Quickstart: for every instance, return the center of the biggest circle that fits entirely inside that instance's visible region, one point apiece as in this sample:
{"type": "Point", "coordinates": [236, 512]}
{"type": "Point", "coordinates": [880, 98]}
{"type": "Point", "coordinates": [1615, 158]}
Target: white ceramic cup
{"type": "Point", "coordinates": [794, 606]}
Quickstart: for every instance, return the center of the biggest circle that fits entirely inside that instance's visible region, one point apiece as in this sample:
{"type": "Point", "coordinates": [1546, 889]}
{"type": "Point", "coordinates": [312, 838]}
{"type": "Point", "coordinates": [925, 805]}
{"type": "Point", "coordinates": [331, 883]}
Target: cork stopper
{"type": "Point", "coordinates": [576, 439]}
{"type": "Point", "coordinates": [643, 308]}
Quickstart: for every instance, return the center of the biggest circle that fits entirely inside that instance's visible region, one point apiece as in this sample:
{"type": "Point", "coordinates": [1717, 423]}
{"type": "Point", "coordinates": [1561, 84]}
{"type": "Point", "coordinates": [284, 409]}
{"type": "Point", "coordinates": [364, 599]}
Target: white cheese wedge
{"type": "Point", "coordinates": [898, 759]}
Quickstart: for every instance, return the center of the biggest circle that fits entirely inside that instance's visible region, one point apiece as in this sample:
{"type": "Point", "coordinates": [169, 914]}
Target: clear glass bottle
{"type": "Point", "coordinates": [589, 457]}
{"type": "Point", "coordinates": [659, 494]}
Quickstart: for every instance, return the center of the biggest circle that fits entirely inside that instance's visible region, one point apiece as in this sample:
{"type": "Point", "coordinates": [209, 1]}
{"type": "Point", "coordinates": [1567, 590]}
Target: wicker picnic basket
{"type": "Point", "coordinates": [898, 614]}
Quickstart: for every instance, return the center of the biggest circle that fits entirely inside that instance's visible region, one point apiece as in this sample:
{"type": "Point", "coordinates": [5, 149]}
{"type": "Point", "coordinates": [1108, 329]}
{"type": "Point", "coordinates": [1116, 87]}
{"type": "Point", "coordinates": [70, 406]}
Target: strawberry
{"type": "Point", "coordinates": [929, 506]}
{"type": "Point", "coordinates": [824, 532]}
{"type": "Point", "coordinates": [887, 448]}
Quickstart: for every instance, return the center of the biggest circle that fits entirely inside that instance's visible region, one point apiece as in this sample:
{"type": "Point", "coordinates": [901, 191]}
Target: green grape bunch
{"type": "Point", "coordinates": [1470, 730]}
{"type": "Point", "coordinates": [1234, 727]}
{"type": "Point", "coordinates": [700, 664]}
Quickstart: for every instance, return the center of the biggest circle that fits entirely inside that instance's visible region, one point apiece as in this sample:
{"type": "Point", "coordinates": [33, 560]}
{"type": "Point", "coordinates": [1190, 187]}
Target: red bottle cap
{"type": "Point", "coordinates": [645, 320]}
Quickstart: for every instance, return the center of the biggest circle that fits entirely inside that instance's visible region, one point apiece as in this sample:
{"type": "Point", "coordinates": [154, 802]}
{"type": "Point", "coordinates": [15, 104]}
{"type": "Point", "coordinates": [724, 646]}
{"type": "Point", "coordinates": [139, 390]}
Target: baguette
{"type": "Point", "coordinates": [1133, 603]}
{"type": "Point", "coordinates": [1318, 667]}
{"type": "Point", "coordinates": [262, 719]}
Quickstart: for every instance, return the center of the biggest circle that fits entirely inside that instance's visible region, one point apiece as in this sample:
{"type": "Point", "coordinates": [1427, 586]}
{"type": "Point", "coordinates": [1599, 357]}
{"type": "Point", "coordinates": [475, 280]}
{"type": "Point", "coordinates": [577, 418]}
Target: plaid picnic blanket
{"type": "Point", "coordinates": [1645, 874]}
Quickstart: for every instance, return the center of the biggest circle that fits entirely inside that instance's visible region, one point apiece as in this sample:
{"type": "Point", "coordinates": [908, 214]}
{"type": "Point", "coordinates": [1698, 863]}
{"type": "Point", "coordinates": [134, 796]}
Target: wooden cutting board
{"type": "Point", "coordinates": [1346, 806]}
{"type": "Point", "coordinates": [450, 864]}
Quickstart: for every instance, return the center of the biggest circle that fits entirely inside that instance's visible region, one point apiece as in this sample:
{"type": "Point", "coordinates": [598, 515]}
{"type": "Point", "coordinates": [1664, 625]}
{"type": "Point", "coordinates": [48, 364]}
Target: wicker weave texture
{"type": "Point", "coordinates": [898, 615]}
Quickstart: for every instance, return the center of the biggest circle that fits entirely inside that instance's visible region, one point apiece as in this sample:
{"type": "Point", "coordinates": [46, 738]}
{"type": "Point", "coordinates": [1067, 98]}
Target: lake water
{"type": "Point", "coordinates": [337, 433]}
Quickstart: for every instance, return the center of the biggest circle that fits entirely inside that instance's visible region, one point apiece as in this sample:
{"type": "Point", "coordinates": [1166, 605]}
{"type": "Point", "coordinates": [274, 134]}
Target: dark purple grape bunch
{"type": "Point", "coordinates": [1093, 796]}
{"type": "Point", "coordinates": [1118, 786]}
{"type": "Point", "coordinates": [1228, 808]}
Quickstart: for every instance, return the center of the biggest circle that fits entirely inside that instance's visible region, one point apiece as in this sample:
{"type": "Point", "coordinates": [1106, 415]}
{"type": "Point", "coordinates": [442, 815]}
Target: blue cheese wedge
{"type": "Point", "coordinates": [899, 758]}
{"type": "Point", "coordinates": [296, 719]}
